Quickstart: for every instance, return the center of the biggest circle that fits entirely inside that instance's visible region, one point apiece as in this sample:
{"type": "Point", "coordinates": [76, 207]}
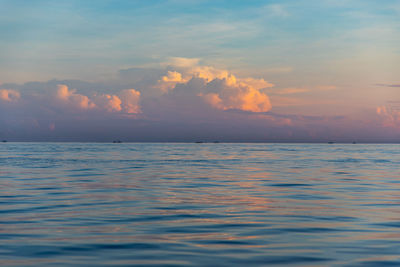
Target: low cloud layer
{"type": "Point", "coordinates": [126, 101]}
{"type": "Point", "coordinates": [181, 100]}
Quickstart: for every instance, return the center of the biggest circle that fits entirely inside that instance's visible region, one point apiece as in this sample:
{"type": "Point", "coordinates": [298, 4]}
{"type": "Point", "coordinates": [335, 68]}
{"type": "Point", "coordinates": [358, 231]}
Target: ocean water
{"type": "Point", "coordinates": [173, 204]}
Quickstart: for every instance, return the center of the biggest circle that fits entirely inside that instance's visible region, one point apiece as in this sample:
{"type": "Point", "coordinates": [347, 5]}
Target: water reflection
{"type": "Point", "coordinates": [185, 204]}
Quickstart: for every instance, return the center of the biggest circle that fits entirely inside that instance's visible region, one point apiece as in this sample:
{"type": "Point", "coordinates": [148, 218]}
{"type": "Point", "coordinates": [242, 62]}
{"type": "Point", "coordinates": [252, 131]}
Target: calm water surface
{"type": "Point", "coordinates": [64, 204]}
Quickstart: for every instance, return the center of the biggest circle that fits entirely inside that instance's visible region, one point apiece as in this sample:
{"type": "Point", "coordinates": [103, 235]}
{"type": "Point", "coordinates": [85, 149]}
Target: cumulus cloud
{"type": "Point", "coordinates": [126, 101]}
{"type": "Point", "coordinates": [71, 98]}
{"type": "Point", "coordinates": [42, 106]}
{"type": "Point", "coordinates": [173, 76]}
{"type": "Point", "coordinates": [219, 88]}
{"type": "Point", "coordinates": [9, 95]}
{"type": "Point", "coordinates": [198, 103]}
{"type": "Point", "coordinates": [130, 101]}
{"type": "Point", "coordinates": [110, 103]}
{"type": "Point", "coordinates": [232, 93]}
{"type": "Point", "coordinates": [170, 80]}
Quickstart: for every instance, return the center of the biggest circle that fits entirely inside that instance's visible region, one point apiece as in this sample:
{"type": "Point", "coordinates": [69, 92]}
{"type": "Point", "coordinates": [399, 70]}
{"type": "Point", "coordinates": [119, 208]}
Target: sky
{"type": "Point", "coordinates": [184, 71]}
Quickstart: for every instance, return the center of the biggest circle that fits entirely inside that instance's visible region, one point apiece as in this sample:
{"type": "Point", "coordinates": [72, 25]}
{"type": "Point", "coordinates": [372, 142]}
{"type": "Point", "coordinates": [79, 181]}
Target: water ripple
{"type": "Point", "coordinates": [199, 205]}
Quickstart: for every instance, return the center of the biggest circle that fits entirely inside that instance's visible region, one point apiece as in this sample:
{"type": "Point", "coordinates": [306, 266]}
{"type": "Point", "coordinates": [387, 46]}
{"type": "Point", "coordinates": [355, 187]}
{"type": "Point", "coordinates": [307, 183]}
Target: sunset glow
{"type": "Point", "coordinates": [273, 71]}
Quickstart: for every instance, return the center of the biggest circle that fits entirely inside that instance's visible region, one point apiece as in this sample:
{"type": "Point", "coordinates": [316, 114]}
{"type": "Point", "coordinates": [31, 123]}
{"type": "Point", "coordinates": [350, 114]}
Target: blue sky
{"type": "Point", "coordinates": [107, 35]}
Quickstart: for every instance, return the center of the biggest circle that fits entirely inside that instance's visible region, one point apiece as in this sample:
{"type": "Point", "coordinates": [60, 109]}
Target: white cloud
{"type": "Point", "coordinates": [182, 62]}
{"type": "Point", "coordinates": [277, 10]}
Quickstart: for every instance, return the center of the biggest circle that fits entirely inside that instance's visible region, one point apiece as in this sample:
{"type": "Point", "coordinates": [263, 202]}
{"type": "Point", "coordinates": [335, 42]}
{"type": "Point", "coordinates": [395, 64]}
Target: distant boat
{"type": "Point", "coordinates": [117, 141]}
{"type": "Point", "coordinates": [216, 142]}
{"type": "Point", "coordinates": [354, 142]}
{"type": "Point", "coordinates": [199, 142]}
{"type": "Point", "coordinates": [330, 142]}
{"type": "Point", "coordinates": [4, 141]}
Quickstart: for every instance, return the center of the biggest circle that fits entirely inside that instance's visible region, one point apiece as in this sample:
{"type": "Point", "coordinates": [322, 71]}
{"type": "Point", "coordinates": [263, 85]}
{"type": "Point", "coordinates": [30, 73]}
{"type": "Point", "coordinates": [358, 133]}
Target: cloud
{"type": "Point", "coordinates": [169, 81]}
{"type": "Point", "coordinates": [200, 103]}
{"type": "Point", "coordinates": [218, 87]}
{"type": "Point", "coordinates": [388, 85]}
{"type": "Point", "coordinates": [390, 115]}
{"type": "Point", "coordinates": [291, 91]}
{"type": "Point", "coordinates": [182, 62]}
{"type": "Point", "coordinates": [9, 95]}
{"type": "Point", "coordinates": [130, 101]}
{"type": "Point", "coordinates": [258, 84]}
{"type": "Point", "coordinates": [277, 10]}
{"type": "Point", "coordinates": [232, 93]}
{"type": "Point", "coordinates": [71, 98]}
{"type": "Point", "coordinates": [126, 101]}
{"type": "Point", "coordinates": [173, 76]}
{"type": "Point", "coordinates": [296, 90]}
{"type": "Point", "coordinates": [110, 103]}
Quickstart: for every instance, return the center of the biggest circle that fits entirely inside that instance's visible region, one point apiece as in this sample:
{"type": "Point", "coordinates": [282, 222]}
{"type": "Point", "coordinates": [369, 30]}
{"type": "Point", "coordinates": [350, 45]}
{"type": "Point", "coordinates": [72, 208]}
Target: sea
{"type": "Point", "coordinates": [208, 204]}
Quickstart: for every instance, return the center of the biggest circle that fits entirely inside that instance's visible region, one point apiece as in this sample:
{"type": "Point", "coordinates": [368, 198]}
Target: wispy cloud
{"type": "Point", "coordinates": [291, 91]}
{"type": "Point", "coordinates": [387, 85]}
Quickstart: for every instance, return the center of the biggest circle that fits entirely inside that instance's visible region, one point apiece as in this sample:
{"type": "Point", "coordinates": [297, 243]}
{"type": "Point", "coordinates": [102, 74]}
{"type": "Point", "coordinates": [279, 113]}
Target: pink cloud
{"type": "Point", "coordinates": [9, 95]}
{"type": "Point", "coordinates": [71, 98]}
{"type": "Point", "coordinates": [126, 100]}
{"type": "Point", "coordinates": [107, 102]}
{"type": "Point", "coordinates": [389, 115]}
{"type": "Point", "coordinates": [130, 100]}
{"type": "Point", "coordinates": [200, 101]}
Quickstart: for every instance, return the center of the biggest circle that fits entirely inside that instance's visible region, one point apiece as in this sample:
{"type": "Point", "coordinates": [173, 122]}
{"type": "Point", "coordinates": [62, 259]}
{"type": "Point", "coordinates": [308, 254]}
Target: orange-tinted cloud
{"type": "Point", "coordinates": [70, 97]}
{"type": "Point", "coordinates": [169, 81]}
{"type": "Point", "coordinates": [238, 94]}
{"type": "Point", "coordinates": [291, 91]}
{"type": "Point", "coordinates": [220, 89]}
{"type": "Point", "coordinates": [125, 101]}
{"type": "Point", "coordinates": [238, 112]}
{"type": "Point", "coordinates": [130, 100]}
{"type": "Point", "coordinates": [9, 95]}
{"type": "Point", "coordinates": [110, 103]}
